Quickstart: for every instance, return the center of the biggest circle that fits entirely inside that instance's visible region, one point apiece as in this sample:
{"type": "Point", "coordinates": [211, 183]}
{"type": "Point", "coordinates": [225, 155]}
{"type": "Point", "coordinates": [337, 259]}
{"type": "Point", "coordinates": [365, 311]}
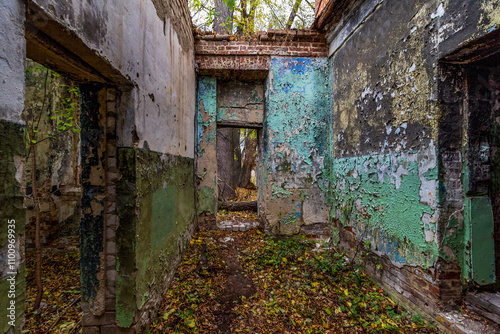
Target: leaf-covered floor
{"type": "Point", "coordinates": [239, 282]}
{"type": "Point", "coordinates": [291, 286]}
{"type": "Point", "coordinates": [60, 310]}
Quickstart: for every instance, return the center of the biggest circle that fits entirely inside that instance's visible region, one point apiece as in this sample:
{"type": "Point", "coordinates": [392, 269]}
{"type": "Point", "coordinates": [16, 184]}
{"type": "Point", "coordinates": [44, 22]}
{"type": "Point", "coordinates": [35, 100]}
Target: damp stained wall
{"type": "Point", "coordinates": [150, 43]}
{"type": "Point", "coordinates": [12, 153]}
{"type": "Point", "coordinates": [295, 145]}
{"type": "Point", "coordinates": [155, 200]}
{"type": "Point", "coordinates": [389, 183]}
{"type": "Point", "coordinates": [240, 103]}
{"type": "Point", "coordinates": [145, 50]}
{"type": "Point", "coordinates": [221, 103]}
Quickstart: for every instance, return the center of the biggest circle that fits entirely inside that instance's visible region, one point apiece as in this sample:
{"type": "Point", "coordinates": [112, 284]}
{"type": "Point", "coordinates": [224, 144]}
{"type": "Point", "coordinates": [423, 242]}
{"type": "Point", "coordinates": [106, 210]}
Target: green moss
{"type": "Point", "coordinates": [207, 200]}
{"type": "Point", "coordinates": [12, 149]}
{"type": "Point", "coordinates": [157, 211]}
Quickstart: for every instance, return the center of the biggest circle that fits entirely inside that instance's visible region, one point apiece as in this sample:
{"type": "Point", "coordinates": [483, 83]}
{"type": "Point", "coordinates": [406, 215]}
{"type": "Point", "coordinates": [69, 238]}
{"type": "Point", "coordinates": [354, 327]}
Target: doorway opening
{"type": "Point", "coordinates": [237, 179]}
{"type": "Point", "coordinates": [470, 134]}
{"type": "Point", "coordinates": [53, 197]}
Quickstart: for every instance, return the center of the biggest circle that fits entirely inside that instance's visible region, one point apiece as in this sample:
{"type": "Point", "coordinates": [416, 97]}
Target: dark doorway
{"type": "Point", "coordinates": [483, 188]}
{"type": "Point", "coordinates": [470, 159]}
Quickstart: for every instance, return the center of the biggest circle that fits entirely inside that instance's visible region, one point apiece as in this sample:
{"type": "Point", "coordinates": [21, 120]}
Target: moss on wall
{"type": "Point", "coordinates": [156, 209]}
{"type": "Point", "coordinates": [12, 151]}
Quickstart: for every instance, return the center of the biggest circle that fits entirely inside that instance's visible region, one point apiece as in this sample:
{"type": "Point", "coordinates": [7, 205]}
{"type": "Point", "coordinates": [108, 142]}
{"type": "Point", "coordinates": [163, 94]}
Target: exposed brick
{"type": "Point", "coordinates": [434, 289]}
{"type": "Point", "coordinates": [90, 330]}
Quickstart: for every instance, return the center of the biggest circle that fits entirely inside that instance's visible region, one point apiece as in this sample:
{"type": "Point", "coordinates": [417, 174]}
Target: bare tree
{"type": "Point", "coordinates": [248, 158]}
{"type": "Point", "coordinates": [228, 161]}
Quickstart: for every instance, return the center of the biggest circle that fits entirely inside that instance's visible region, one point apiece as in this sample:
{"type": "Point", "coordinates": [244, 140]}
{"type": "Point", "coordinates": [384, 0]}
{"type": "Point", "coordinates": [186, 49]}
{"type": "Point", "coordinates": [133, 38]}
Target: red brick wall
{"type": "Point", "coordinates": [228, 52]}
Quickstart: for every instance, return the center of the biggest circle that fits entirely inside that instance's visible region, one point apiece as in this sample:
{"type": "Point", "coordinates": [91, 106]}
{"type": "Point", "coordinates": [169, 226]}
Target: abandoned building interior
{"type": "Point", "coordinates": [379, 125]}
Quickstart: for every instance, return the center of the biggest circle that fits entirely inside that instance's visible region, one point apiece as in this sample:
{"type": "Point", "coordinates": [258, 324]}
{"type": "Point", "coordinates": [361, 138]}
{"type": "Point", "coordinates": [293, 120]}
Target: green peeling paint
{"type": "Point", "coordinates": [280, 192]}
{"type": "Point", "coordinates": [207, 112]}
{"type": "Point", "coordinates": [206, 200]}
{"type": "Point", "coordinates": [295, 135]}
{"type": "Point", "coordinates": [390, 199]}
{"type": "Point", "coordinates": [206, 134]}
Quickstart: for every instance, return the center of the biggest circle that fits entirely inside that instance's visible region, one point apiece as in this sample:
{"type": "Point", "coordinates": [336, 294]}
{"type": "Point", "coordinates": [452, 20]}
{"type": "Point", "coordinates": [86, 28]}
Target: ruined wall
{"type": "Point", "coordinates": [206, 141]}
{"type": "Point", "coordinates": [12, 159]}
{"type": "Point", "coordinates": [221, 103]}
{"type": "Point", "coordinates": [141, 55]}
{"type": "Point", "coordinates": [392, 186]}
{"type": "Point", "coordinates": [156, 209]}
{"type": "Point", "coordinates": [240, 103]}
{"type": "Point", "coordinates": [294, 145]}
{"type": "Point", "coordinates": [150, 43]}
{"type": "Point", "coordinates": [294, 120]}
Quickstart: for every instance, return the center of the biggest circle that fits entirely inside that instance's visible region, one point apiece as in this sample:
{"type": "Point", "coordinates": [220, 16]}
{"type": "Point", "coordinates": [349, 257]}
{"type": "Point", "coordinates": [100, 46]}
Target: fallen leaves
{"type": "Point", "coordinates": [60, 310]}
{"type": "Point", "coordinates": [298, 290]}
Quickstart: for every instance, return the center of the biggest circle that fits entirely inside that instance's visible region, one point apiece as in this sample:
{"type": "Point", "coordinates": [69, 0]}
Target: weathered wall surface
{"type": "Point", "coordinates": [12, 152]}
{"type": "Point", "coordinates": [206, 141]}
{"type": "Point", "coordinates": [145, 50]}
{"type": "Point", "coordinates": [13, 216]}
{"type": "Point", "coordinates": [150, 43]}
{"type": "Point", "coordinates": [294, 146]}
{"type": "Point", "coordinates": [156, 210]}
{"type": "Point", "coordinates": [238, 58]}
{"type": "Point", "coordinates": [392, 184]}
{"type": "Point", "coordinates": [221, 103]}
{"type": "Point", "coordinates": [240, 103]}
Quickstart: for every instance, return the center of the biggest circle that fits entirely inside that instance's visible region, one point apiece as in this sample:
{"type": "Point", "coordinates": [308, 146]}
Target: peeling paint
{"type": "Point", "coordinates": [377, 193]}
{"type": "Point", "coordinates": [295, 142]}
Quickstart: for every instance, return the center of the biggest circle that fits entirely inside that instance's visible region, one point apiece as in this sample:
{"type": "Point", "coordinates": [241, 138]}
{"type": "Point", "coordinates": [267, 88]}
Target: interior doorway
{"type": "Point", "coordinates": [483, 188]}
{"type": "Point", "coordinates": [53, 197]}
{"type": "Point", "coordinates": [470, 157]}
{"type": "Point", "coordinates": [237, 159]}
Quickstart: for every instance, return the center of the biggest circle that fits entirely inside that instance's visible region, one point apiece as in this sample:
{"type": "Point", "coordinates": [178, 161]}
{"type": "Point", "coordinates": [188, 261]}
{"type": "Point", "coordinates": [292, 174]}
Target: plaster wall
{"type": "Point", "coordinates": [392, 185]}
{"type": "Point", "coordinates": [145, 50]}
{"type": "Point", "coordinates": [240, 103]}
{"type": "Point", "coordinates": [12, 150]}
{"type": "Point", "coordinates": [149, 43]}
{"type": "Point", "coordinates": [295, 145]}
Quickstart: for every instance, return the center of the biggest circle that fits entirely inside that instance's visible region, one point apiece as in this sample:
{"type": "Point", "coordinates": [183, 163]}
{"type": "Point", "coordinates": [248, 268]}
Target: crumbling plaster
{"type": "Point", "coordinates": [387, 175]}
{"type": "Point", "coordinates": [149, 46]}
{"type": "Point", "coordinates": [295, 144]}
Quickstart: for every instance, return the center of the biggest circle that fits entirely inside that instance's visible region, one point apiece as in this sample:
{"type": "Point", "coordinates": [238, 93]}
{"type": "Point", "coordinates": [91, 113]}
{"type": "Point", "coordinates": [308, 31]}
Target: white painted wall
{"type": "Point", "coordinates": [145, 49]}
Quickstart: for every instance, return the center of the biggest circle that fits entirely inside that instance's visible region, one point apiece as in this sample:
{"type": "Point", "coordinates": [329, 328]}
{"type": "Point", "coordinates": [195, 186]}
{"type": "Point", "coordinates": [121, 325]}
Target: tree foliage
{"type": "Point", "coordinates": [250, 16]}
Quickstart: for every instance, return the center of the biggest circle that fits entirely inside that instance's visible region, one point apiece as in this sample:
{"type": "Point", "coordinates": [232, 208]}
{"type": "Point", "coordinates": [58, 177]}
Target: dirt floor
{"type": "Point", "coordinates": [245, 282]}
{"type": "Point", "coordinates": [59, 311]}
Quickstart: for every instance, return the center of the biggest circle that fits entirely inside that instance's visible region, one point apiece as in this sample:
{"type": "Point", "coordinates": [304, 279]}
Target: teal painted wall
{"type": "Point", "coordinates": [206, 143]}
{"type": "Point", "coordinates": [295, 144]}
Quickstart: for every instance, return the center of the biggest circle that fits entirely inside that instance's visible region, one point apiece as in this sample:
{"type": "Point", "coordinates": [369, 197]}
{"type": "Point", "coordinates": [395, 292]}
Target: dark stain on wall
{"type": "Point", "coordinates": [92, 157]}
